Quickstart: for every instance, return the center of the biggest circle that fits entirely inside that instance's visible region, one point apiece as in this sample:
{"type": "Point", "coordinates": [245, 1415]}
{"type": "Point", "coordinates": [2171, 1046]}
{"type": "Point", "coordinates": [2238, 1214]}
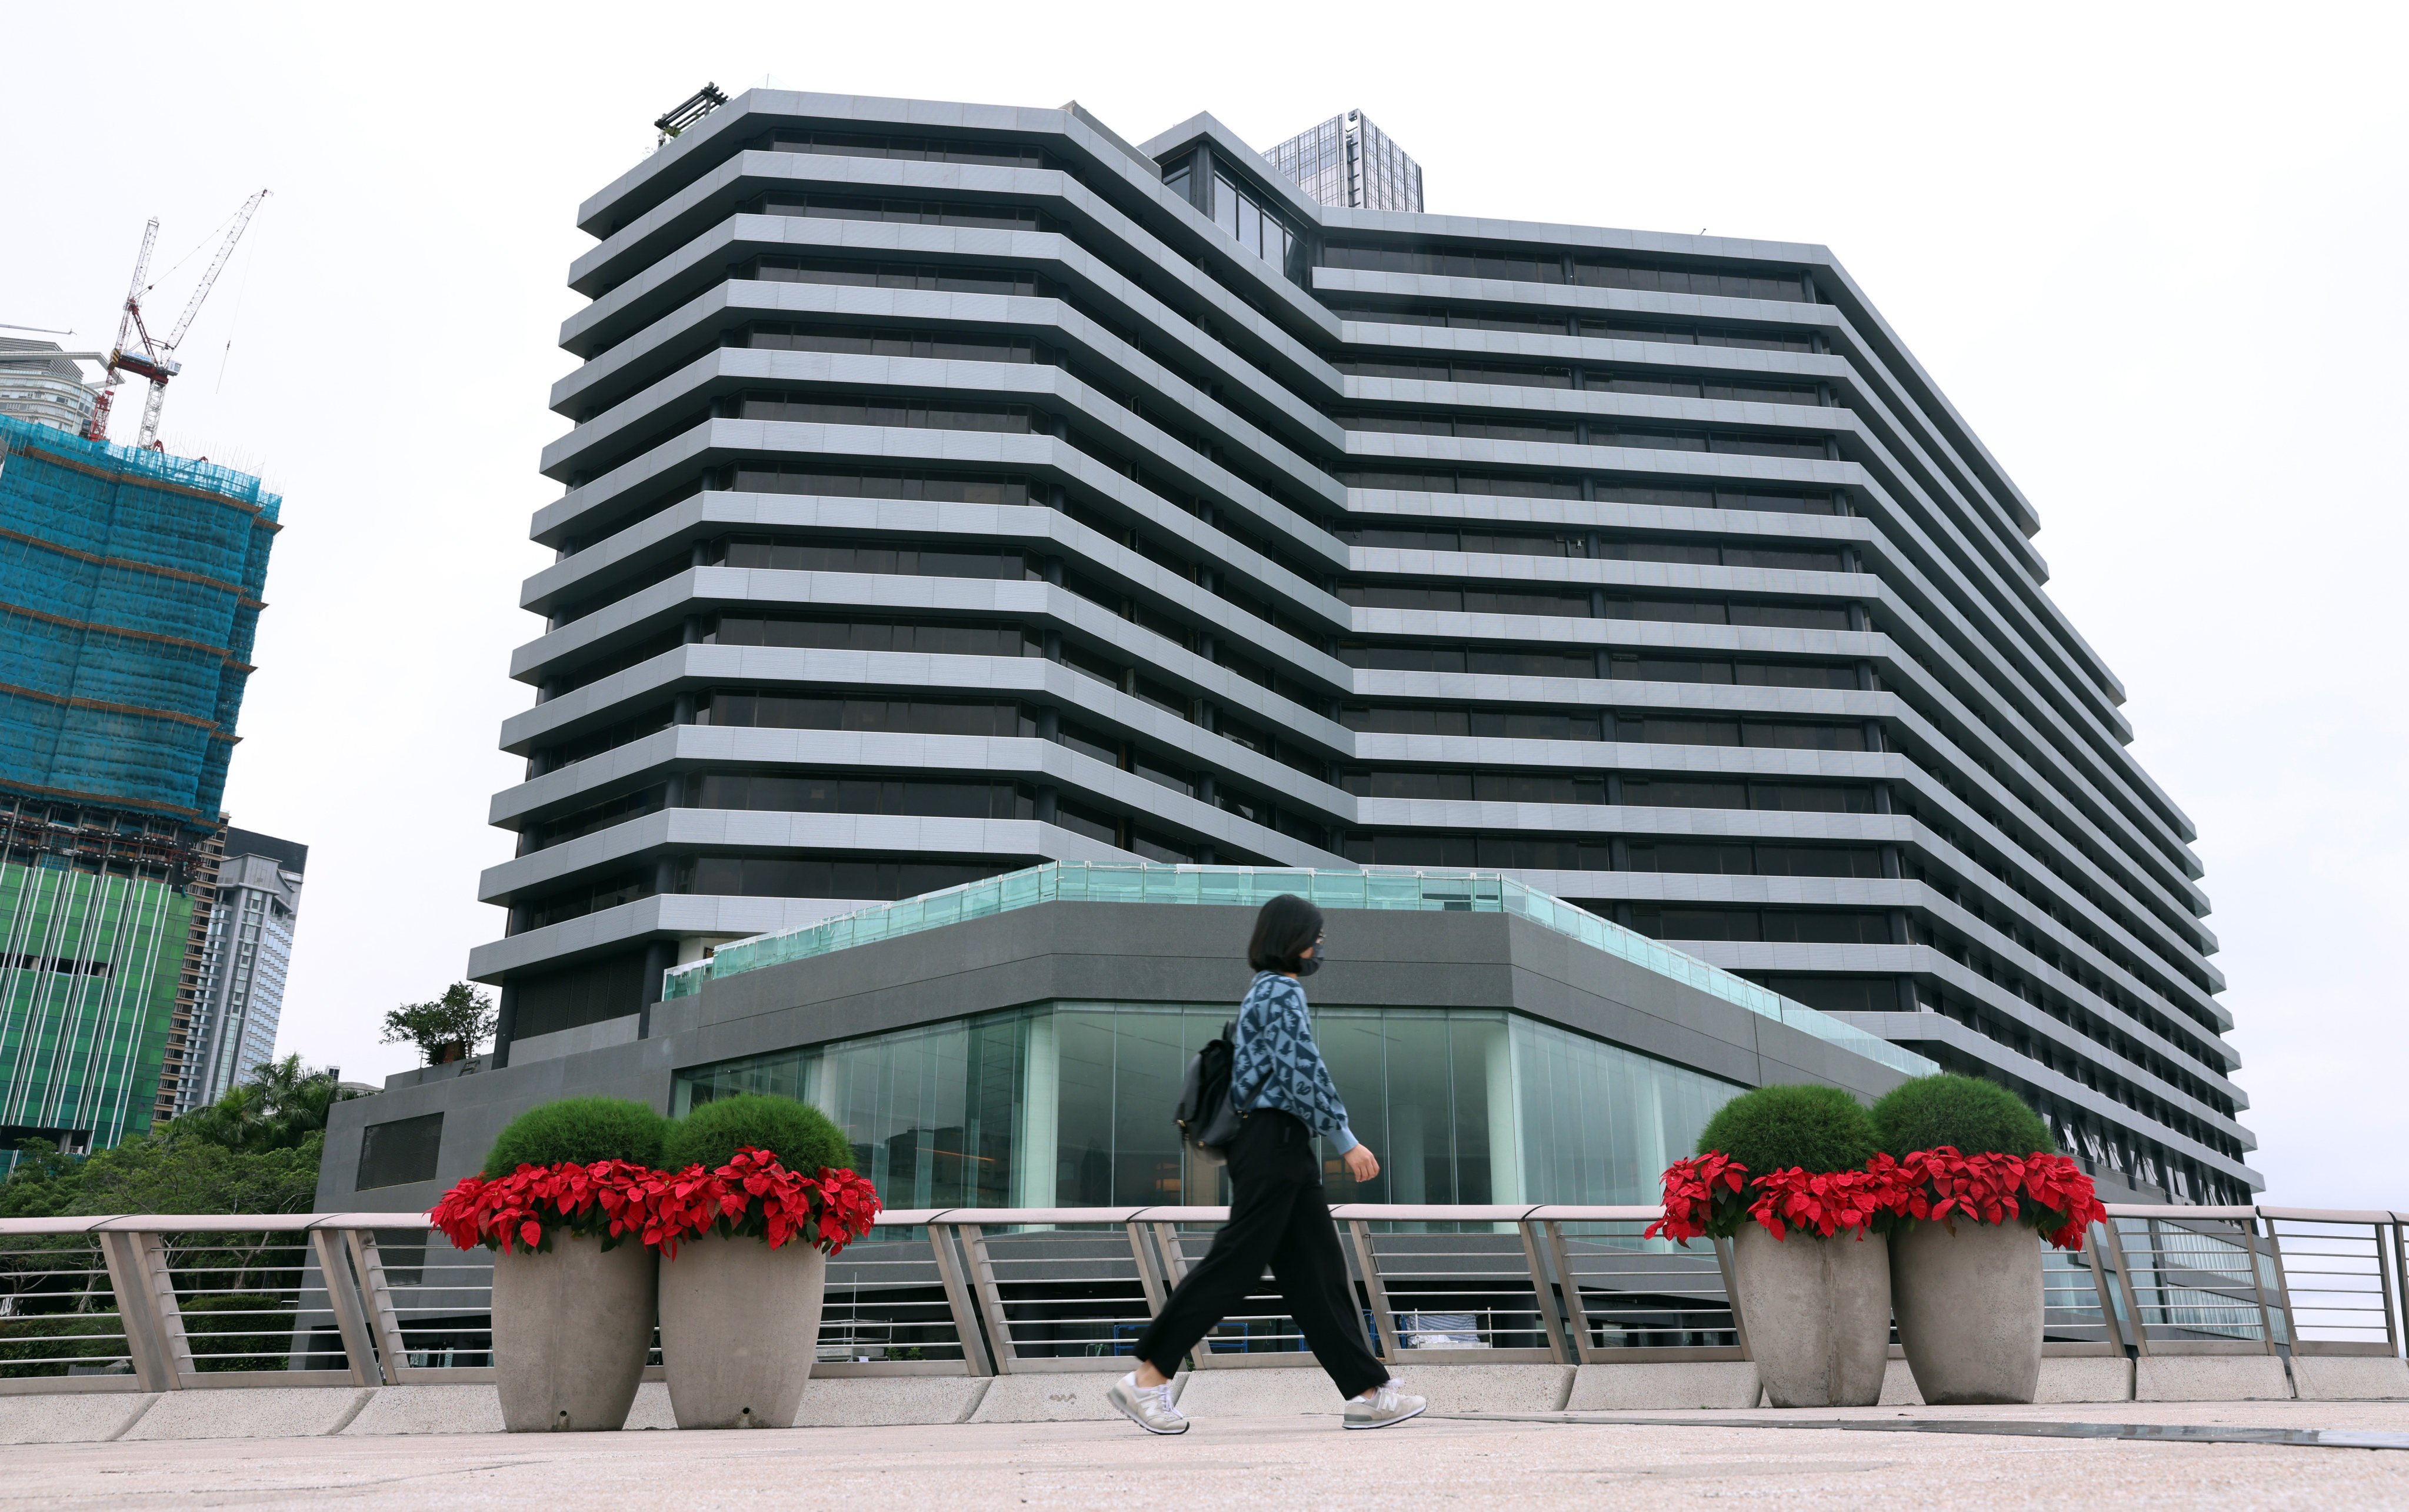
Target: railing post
{"type": "Point", "coordinates": [343, 1299]}
{"type": "Point", "coordinates": [991, 1300]}
{"type": "Point", "coordinates": [1574, 1310]}
{"type": "Point", "coordinates": [957, 1300]}
{"type": "Point", "coordinates": [1149, 1280]}
{"type": "Point", "coordinates": [1377, 1291]}
{"type": "Point", "coordinates": [1551, 1315]}
{"type": "Point", "coordinates": [369, 1261]}
{"type": "Point", "coordinates": [2109, 1324]}
{"type": "Point", "coordinates": [138, 1312]}
{"type": "Point", "coordinates": [2259, 1287]}
{"type": "Point", "coordinates": [2141, 1325]}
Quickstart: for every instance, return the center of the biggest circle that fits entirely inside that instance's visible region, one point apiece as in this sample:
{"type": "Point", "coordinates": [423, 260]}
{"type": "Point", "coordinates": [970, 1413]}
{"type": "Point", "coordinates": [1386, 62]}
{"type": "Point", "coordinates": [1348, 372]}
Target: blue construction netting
{"type": "Point", "coordinates": [129, 594]}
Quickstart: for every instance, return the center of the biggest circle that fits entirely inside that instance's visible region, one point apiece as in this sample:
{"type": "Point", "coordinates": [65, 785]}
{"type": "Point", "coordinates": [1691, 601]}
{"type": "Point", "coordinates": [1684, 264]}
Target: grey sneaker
{"type": "Point", "coordinates": [1390, 1405]}
{"type": "Point", "coordinates": [1149, 1407]}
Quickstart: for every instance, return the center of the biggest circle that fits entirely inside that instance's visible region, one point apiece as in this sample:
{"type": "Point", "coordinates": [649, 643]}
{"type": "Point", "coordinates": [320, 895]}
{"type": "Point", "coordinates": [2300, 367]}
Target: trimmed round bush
{"type": "Point", "coordinates": [800, 1136]}
{"type": "Point", "coordinates": [1818, 1128]}
{"type": "Point", "coordinates": [581, 1128]}
{"type": "Point", "coordinates": [1974, 1116]}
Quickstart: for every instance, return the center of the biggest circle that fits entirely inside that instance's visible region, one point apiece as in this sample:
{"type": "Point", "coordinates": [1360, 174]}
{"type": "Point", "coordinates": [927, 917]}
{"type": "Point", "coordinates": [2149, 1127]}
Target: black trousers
{"type": "Point", "coordinates": [1278, 1217]}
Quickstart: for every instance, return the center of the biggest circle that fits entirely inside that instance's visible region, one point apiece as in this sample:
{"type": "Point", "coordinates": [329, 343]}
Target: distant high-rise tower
{"type": "Point", "coordinates": [130, 589]}
{"type": "Point", "coordinates": [39, 382]}
{"type": "Point", "coordinates": [1349, 162]}
{"type": "Point", "coordinates": [249, 950]}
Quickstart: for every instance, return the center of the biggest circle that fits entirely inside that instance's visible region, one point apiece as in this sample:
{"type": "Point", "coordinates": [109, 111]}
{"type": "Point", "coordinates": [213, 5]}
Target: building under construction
{"type": "Point", "coordinates": [130, 585]}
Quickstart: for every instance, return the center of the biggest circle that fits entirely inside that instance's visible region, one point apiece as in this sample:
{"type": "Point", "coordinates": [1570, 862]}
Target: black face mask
{"type": "Point", "coordinates": [1310, 964]}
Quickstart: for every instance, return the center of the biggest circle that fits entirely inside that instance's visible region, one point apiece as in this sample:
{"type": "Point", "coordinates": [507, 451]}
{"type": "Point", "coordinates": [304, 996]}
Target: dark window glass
{"type": "Point", "coordinates": [1818, 861]}
{"type": "Point", "coordinates": [1791, 616]}
{"type": "Point", "coordinates": [1667, 922]}
{"type": "Point", "coordinates": [765, 478]}
{"type": "Point", "coordinates": [833, 794]}
{"type": "Point", "coordinates": [612, 986]}
{"type": "Point", "coordinates": [760, 404]}
{"type": "Point", "coordinates": [842, 635]}
{"type": "Point", "coordinates": [757, 876]}
{"type": "Point", "coordinates": [1784, 674]}
{"type": "Point", "coordinates": [399, 1151]}
{"type": "Point", "coordinates": [1803, 737]}
{"type": "Point", "coordinates": [1792, 558]}
{"type": "Point", "coordinates": [910, 211]}
{"type": "Point", "coordinates": [1653, 729]}
{"type": "Point", "coordinates": [1839, 994]}
{"type": "Point", "coordinates": [601, 815]}
{"type": "Point", "coordinates": [917, 717]}
{"type": "Point", "coordinates": [907, 561]}
{"type": "Point", "coordinates": [1681, 793]}
{"type": "Point", "coordinates": [1670, 669]}
{"type": "Point", "coordinates": [583, 898]}
{"type": "Point", "coordinates": [1811, 798]}
{"type": "Point", "coordinates": [943, 278]}
{"type": "Point", "coordinates": [609, 738]}
{"type": "Point", "coordinates": [1827, 927]}
{"type": "Point", "coordinates": [1728, 859]}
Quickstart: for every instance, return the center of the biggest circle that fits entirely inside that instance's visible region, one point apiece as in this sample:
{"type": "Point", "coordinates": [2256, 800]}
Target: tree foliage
{"type": "Point", "coordinates": [253, 1150]}
{"type": "Point", "coordinates": [459, 1023]}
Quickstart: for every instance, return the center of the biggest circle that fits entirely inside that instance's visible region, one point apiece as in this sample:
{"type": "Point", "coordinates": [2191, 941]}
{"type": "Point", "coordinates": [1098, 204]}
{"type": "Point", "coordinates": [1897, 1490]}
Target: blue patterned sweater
{"type": "Point", "coordinates": [1279, 1066]}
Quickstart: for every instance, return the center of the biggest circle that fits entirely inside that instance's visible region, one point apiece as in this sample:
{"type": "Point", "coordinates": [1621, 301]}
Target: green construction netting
{"type": "Point", "coordinates": [129, 594]}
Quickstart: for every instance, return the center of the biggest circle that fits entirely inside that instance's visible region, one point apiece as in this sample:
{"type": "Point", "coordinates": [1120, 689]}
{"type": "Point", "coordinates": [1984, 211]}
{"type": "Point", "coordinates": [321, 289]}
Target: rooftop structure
{"type": "Point", "coordinates": [129, 592]}
{"type": "Point", "coordinates": [1348, 162]}
{"type": "Point", "coordinates": [955, 490]}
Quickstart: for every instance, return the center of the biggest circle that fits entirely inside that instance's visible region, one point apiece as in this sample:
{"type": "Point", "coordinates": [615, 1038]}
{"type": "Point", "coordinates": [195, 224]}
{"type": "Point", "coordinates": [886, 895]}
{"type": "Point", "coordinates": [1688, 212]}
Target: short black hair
{"type": "Point", "coordinates": [1284, 931]}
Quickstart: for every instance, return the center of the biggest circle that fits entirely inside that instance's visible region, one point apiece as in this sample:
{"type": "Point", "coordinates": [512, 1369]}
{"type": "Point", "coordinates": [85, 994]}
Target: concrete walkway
{"type": "Point", "coordinates": [1253, 1463]}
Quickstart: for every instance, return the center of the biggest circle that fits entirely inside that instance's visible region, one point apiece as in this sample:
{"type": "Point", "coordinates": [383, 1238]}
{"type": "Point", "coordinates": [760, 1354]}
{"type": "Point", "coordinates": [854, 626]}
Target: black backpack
{"type": "Point", "coordinates": [1208, 1122]}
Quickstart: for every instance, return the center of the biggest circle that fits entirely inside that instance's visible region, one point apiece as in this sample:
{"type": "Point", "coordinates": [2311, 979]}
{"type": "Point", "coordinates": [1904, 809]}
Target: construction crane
{"type": "Point", "coordinates": [157, 361]}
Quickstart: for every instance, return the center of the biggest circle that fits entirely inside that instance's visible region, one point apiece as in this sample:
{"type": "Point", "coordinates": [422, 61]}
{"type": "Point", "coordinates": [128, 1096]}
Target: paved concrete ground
{"type": "Point", "coordinates": [1254, 1463]}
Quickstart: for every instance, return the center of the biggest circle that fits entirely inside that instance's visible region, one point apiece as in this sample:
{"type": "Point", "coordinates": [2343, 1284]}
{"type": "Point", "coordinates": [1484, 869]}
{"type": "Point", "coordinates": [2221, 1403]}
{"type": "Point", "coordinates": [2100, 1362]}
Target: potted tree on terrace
{"type": "Point", "coordinates": [565, 1201]}
{"type": "Point", "coordinates": [1782, 1171]}
{"type": "Point", "coordinates": [1966, 1262]}
{"type": "Point", "coordinates": [763, 1193]}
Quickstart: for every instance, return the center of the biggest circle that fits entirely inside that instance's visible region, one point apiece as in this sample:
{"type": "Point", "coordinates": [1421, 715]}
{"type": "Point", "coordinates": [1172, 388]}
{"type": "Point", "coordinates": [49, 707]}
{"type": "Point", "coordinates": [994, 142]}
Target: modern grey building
{"type": "Point", "coordinates": [953, 489]}
{"type": "Point", "coordinates": [40, 382]}
{"type": "Point", "coordinates": [1350, 163]}
{"type": "Point", "coordinates": [244, 964]}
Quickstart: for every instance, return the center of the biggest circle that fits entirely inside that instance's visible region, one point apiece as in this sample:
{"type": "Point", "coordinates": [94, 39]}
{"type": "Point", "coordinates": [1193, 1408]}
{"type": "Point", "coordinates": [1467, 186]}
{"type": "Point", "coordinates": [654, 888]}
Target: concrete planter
{"type": "Point", "coordinates": [739, 1328]}
{"type": "Point", "coordinates": [1817, 1312]}
{"type": "Point", "coordinates": [571, 1330]}
{"type": "Point", "coordinates": [1970, 1309]}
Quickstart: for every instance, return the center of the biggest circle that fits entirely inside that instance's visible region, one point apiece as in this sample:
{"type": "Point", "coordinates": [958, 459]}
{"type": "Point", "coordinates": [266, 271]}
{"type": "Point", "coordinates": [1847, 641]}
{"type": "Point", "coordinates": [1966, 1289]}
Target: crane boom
{"type": "Point", "coordinates": [217, 265]}
{"type": "Point", "coordinates": [156, 360]}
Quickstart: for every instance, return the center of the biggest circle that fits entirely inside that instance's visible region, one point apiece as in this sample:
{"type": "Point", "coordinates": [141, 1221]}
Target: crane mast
{"type": "Point", "coordinates": [156, 360]}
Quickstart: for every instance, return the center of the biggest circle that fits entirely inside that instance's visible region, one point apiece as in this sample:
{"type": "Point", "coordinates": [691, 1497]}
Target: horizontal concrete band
{"type": "Point", "coordinates": [863, 1401]}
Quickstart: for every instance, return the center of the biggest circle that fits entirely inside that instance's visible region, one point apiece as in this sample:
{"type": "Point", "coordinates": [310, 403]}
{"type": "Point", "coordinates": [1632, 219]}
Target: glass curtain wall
{"type": "Point", "coordinates": [1069, 1104]}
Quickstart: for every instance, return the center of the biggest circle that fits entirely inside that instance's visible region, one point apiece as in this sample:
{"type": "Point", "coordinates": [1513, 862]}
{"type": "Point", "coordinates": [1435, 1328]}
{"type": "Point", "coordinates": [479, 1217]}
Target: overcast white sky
{"type": "Point", "coordinates": [2153, 254]}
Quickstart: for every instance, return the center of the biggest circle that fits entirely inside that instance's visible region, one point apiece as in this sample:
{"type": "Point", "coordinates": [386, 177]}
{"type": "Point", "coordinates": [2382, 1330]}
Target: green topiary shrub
{"type": "Point", "coordinates": [580, 1129]}
{"type": "Point", "coordinates": [800, 1136]}
{"type": "Point", "coordinates": [1819, 1128]}
{"type": "Point", "coordinates": [1976, 1116]}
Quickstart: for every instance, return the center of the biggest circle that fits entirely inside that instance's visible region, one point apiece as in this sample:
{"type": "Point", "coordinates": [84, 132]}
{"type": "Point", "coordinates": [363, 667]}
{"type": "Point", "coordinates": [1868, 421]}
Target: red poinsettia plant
{"type": "Point", "coordinates": [609, 1200]}
{"type": "Point", "coordinates": [1702, 1198]}
{"type": "Point", "coordinates": [2047, 1192]}
{"type": "Point", "coordinates": [755, 1196]}
{"type": "Point", "coordinates": [1826, 1202]}
{"type": "Point", "coordinates": [1710, 1195]}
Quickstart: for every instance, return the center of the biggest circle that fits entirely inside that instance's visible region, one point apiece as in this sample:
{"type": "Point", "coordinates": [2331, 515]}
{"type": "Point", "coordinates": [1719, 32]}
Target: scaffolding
{"type": "Point", "coordinates": [130, 587]}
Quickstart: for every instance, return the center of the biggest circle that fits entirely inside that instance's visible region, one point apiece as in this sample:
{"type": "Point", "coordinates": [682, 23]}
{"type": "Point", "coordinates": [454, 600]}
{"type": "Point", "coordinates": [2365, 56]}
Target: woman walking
{"type": "Point", "coordinates": [1278, 1215]}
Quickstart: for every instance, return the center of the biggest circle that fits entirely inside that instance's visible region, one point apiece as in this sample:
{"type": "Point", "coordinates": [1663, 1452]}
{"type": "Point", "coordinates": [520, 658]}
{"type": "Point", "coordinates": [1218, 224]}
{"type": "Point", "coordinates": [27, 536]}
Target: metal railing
{"type": "Point", "coordinates": [164, 1303]}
